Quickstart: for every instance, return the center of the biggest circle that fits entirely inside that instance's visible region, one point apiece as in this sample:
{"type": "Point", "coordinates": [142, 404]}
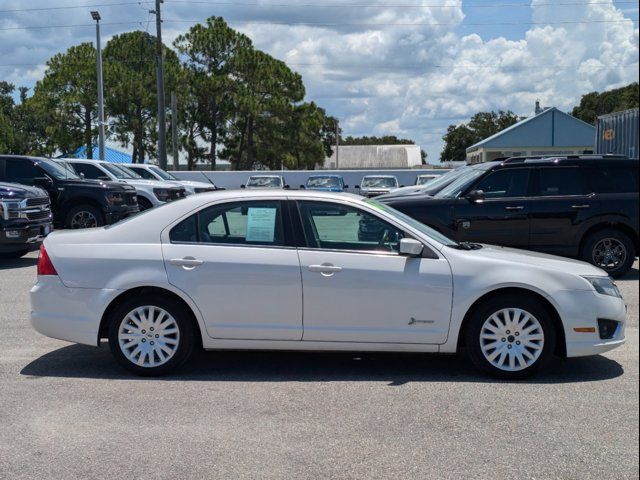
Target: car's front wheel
{"type": "Point", "coordinates": [84, 216]}
{"type": "Point", "coordinates": [510, 337]}
{"type": "Point", "coordinates": [151, 336]}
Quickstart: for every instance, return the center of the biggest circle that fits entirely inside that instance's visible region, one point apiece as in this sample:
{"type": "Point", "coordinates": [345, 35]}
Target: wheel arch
{"type": "Point", "coordinates": [81, 200]}
{"type": "Point", "coordinates": [613, 225]}
{"type": "Point", "coordinates": [103, 330]}
{"type": "Point", "coordinates": [561, 344]}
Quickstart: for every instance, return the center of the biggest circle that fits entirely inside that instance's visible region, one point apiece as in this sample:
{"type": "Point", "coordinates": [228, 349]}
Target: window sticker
{"type": "Point", "coordinates": [261, 224]}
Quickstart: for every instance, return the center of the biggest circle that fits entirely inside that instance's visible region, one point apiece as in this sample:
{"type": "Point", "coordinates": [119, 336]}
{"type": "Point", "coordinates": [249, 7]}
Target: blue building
{"type": "Point", "coordinates": [110, 154]}
{"type": "Point", "coordinates": [548, 132]}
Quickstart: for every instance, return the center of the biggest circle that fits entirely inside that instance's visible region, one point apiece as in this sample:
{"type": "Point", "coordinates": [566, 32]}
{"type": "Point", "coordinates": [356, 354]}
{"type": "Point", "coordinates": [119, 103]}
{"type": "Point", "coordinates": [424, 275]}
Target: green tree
{"type": "Point", "coordinates": [66, 99]}
{"type": "Point", "coordinates": [7, 130]}
{"type": "Point", "coordinates": [130, 89]}
{"type": "Point", "coordinates": [594, 104]}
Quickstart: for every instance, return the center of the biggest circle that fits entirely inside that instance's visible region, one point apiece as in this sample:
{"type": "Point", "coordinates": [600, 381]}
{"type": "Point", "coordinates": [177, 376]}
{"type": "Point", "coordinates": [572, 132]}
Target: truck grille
{"type": "Point", "coordinates": [33, 209]}
{"type": "Point", "coordinates": [33, 202]}
{"type": "Point", "coordinates": [42, 215]}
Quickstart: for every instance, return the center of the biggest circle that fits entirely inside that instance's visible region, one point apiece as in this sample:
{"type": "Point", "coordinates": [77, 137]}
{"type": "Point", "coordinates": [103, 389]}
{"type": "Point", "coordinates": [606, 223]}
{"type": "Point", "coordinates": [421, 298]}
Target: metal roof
{"type": "Point", "coordinates": [551, 128]}
{"type": "Point", "coordinates": [110, 154]}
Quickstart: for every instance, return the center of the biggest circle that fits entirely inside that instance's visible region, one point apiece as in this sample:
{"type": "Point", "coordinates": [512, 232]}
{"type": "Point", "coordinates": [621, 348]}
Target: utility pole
{"type": "Point", "coordinates": [174, 129]}
{"type": "Point", "coordinates": [162, 134]}
{"type": "Point", "coordinates": [337, 146]}
{"type": "Point", "coordinates": [96, 17]}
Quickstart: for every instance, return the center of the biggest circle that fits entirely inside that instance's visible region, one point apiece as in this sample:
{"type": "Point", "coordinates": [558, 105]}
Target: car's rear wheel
{"type": "Point", "coordinates": [510, 337]}
{"type": "Point", "coordinates": [84, 216]}
{"type": "Point", "coordinates": [611, 250]}
{"type": "Point", "coordinates": [151, 336]}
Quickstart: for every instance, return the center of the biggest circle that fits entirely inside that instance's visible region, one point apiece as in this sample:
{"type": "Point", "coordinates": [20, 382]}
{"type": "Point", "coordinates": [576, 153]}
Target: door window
{"type": "Point", "coordinates": [561, 181]}
{"type": "Point", "coordinates": [237, 223]}
{"type": "Point", "coordinates": [22, 171]}
{"type": "Point", "coordinates": [89, 171]}
{"type": "Point", "coordinates": [508, 183]}
{"type": "Point", "coordinates": [144, 173]}
{"type": "Point", "coordinates": [339, 227]}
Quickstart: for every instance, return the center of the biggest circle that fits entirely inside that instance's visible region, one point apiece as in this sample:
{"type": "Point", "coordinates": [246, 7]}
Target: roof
{"type": "Point", "coordinates": [374, 157]}
{"type": "Point", "coordinates": [551, 128]}
{"type": "Point", "coordinates": [110, 155]}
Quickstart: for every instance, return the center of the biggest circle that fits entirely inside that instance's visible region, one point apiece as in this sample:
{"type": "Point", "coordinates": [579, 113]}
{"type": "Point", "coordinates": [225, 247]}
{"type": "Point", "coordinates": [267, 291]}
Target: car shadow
{"type": "Point", "coordinates": [80, 361]}
{"type": "Point", "coordinates": [630, 275]}
{"type": "Point", "coordinates": [12, 263]}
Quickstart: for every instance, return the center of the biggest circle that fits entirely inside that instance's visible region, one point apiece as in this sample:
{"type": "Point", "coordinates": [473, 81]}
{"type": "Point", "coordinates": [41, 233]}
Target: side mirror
{"type": "Point", "coordinates": [344, 187]}
{"type": "Point", "coordinates": [401, 186]}
{"type": "Point", "coordinates": [42, 181]}
{"type": "Point", "coordinates": [302, 187]}
{"type": "Point", "coordinates": [82, 175]}
{"type": "Point", "coordinates": [410, 247]}
{"type": "Point", "coordinates": [242, 186]}
{"type": "Point", "coordinates": [357, 187]}
{"type": "Point", "coordinates": [286, 187]}
{"type": "Point", "coordinates": [475, 196]}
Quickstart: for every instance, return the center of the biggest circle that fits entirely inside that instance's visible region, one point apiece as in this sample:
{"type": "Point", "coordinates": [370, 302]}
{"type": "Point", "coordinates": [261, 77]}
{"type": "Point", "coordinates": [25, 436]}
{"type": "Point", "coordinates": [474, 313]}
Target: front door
{"type": "Point", "coordinates": [502, 218]}
{"type": "Point", "coordinates": [232, 260]}
{"type": "Point", "coordinates": [357, 288]}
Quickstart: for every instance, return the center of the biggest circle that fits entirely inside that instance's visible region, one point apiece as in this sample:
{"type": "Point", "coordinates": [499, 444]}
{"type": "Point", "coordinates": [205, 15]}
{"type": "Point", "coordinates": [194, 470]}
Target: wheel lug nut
{"type": "Point", "coordinates": [509, 346]}
{"type": "Point", "coordinates": [157, 336]}
{"type": "Point", "coordinates": [517, 334]}
{"type": "Point", "coordinates": [144, 340]}
{"type": "Point", "coordinates": [504, 339]}
{"type": "Point", "coordinates": [517, 343]}
{"type": "Point", "coordinates": [144, 331]}
{"type": "Point", "coordinates": [151, 329]}
{"type": "Point", "coordinates": [508, 332]}
{"type": "Point", "coordinates": [151, 343]}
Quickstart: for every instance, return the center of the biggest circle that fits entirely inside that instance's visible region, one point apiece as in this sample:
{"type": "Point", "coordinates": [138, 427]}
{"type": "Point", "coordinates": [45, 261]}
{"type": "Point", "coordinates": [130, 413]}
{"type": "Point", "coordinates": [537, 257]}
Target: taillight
{"type": "Point", "coordinates": [45, 267]}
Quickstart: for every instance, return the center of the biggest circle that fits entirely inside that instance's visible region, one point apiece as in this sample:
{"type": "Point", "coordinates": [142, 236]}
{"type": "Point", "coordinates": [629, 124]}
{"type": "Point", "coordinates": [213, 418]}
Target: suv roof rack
{"type": "Point", "coordinates": [556, 158]}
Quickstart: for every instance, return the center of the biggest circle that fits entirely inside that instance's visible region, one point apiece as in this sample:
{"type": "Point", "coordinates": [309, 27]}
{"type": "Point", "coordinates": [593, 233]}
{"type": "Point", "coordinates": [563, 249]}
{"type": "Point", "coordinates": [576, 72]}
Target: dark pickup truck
{"type": "Point", "coordinates": [25, 219]}
{"type": "Point", "coordinates": [75, 202]}
{"type": "Point", "coordinates": [577, 206]}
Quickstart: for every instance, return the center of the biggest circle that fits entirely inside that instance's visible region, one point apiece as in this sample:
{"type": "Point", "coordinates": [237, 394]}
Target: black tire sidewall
{"type": "Point", "coordinates": [88, 208]}
{"type": "Point", "coordinates": [485, 310]}
{"type": "Point", "coordinates": [587, 251]}
{"type": "Point", "coordinates": [144, 204]}
{"type": "Point", "coordinates": [185, 326]}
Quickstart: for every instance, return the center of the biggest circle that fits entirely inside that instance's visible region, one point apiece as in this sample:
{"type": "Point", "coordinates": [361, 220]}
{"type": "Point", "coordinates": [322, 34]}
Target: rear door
{"type": "Point", "coordinates": [234, 261]}
{"type": "Point", "coordinates": [561, 202]}
{"type": "Point", "coordinates": [502, 218]}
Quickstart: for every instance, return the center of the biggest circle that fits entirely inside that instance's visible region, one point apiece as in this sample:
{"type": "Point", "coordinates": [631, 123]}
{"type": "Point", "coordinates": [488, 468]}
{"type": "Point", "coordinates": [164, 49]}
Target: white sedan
{"type": "Point", "coordinates": [291, 270]}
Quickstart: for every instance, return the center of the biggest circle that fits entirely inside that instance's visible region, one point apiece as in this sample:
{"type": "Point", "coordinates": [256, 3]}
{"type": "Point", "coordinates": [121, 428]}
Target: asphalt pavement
{"type": "Point", "coordinates": [69, 412]}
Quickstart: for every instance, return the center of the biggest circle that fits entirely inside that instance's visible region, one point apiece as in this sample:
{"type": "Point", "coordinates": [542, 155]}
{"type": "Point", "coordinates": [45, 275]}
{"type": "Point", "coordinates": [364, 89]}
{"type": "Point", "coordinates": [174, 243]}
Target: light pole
{"type": "Point", "coordinates": [96, 17]}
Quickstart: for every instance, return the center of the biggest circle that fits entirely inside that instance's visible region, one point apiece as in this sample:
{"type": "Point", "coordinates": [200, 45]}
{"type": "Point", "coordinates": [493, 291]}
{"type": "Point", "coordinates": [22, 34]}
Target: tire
{"type": "Point", "coordinates": [14, 255]}
{"type": "Point", "coordinates": [144, 204]}
{"type": "Point", "coordinates": [84, 216]}
{"type": "Point", "coordinates": [611, 250]}
{"type": "Point", "coordinates": [489, 325]}
{"type": "Point", "coordinates": [140, 349]}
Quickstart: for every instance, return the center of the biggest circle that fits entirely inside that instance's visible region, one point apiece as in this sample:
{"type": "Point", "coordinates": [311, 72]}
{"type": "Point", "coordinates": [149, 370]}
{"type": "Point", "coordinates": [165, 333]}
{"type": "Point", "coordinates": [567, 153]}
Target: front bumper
{"type": "Point", "coordinates": [581, 310]}
{"type": "Point", "coordinates": [23, 237]}
{"type": "Point", "coordinates": [71, 314]}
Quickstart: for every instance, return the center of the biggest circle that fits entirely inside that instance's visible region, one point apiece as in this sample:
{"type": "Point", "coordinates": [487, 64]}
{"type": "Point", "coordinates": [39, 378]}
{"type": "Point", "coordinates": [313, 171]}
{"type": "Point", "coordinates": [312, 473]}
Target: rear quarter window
{"type": "Point", "coordinates": [614, 179]}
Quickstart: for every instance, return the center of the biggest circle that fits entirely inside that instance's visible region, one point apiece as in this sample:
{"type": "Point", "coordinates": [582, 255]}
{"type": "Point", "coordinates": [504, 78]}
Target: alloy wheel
{"type": "Point", "coordinates": [148, 336]}
{"type": "Point", "coordinates": [609, 253]}
{"type": "Point", "coordinates": [511, 339]}
{"type": "Point", "coordinates": [84, 219]}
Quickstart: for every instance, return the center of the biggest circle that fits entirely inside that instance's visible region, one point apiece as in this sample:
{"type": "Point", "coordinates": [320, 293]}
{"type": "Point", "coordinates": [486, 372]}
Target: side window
{"type": "Point", "coordinates": [613, 179]}
{"type": "Point", "coordinates": [143, 172]}
{"type": "Point", "coordinates": [338, 227]}
{"type": "Point", "coordinates": [507, 183]}
{"type": "Point", "coordinates": [186, 231]}
{"type": "Point", "coordinates": [90, 172]}
{"type": "Point", "coordinates": [22, 171]}
{"type": "Point", "coordinates": [561, 181]}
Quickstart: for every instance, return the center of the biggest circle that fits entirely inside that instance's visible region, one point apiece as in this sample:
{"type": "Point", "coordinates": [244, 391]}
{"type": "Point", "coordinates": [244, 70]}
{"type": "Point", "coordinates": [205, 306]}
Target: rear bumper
{"type": "Point", "coordinates": [23, 237]}
{"type": "Point", "coordinates": [71, 314]}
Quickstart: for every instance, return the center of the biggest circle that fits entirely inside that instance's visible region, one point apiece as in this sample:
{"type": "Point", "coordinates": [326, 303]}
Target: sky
{"type": "Point", "coordinates": [385, 67]}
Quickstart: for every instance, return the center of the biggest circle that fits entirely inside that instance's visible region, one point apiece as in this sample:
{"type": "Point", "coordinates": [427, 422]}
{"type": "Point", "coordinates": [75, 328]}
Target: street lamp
{"type": "Point", "coordinates": [96, 16]}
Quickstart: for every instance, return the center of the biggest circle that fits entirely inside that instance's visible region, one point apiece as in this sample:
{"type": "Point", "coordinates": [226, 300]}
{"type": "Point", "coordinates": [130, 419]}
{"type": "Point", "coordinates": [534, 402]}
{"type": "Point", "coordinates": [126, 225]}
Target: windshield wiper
{"type": "Point", "coordinates": [467, 246]}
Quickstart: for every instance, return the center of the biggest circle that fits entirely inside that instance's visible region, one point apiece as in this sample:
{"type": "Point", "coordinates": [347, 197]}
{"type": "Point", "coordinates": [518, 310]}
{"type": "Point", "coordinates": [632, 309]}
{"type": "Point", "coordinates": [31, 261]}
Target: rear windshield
{"type": "Point", "coordinates": [264, 182]}
{"type": "Point", "coordinates": [379, 182]}
{"type": "Point", "coordinates": [326, 182]}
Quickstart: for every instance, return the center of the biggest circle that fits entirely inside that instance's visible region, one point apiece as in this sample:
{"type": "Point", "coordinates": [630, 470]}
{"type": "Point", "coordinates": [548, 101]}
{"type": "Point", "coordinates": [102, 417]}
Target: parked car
{"type": "Point", "coordinates": [325, 183]}
{"type": "Point", "coordinates": [374, 185]}
{"type": "Point", "coordinates": [230, 271]}
{"type": "Point", "coordinates": [584, 207]}
{"type": "Point", "coordinates": [425, 178]}
{"type": "Point", "coordinates": [265, 181]}
{"type": "Point", "coordinates": [75, 202]}
{"type": "Point", "coordinates": [151, 193]}
{"type": "Point", "coordinates": [153, 172]}
{"type": "Point", "coordinates": [25, 219]}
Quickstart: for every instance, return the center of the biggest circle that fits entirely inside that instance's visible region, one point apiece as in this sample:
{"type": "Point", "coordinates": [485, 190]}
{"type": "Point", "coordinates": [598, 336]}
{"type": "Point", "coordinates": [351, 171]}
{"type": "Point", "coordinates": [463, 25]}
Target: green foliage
{"type": "Point", "coordinates": [482, 125]}
{"type": "Point", "coordinates": [594, 104]}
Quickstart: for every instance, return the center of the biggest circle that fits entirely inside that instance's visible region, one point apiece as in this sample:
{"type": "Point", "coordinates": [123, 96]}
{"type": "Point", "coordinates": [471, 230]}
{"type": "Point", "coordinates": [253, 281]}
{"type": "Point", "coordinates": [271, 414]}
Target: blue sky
{"type": "Point", "coordinates": [382, 66]}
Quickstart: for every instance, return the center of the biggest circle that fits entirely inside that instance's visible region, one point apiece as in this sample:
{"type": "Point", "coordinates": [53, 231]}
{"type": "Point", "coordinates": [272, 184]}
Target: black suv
{"type": "Point", "coordinates": [25, 219]}
{"type": "Point", "coordinates": [577, 206]}
{"type": "Point", "coordinates": [76, 203]}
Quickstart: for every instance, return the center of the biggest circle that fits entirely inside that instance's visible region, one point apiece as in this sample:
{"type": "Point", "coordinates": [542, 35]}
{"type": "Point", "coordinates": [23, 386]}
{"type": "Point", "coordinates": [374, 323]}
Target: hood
{"type": "Point", "coordinates": [101, 184]}
{"type": "Point", "coordinates": [151, 183]}
{"type": "Point", "coordinates": [10, 191]}
{"type": "Point", "coordinates": [191, 183]}
{"type": "Point", "coordinates": [540, 260]}
{"type": "Point", "coordinates": [402, 191]}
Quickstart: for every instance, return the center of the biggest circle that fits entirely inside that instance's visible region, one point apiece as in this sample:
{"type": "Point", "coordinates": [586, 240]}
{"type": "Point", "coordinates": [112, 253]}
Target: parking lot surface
{"type": "Point", "coordinates": [68, 411]}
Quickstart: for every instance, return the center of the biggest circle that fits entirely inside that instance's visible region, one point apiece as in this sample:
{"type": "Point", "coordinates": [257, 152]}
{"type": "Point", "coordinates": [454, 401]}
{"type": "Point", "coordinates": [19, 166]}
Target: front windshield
{"type": "Point", "coordinates": [460, 184]}
{"type": "Point", "coordinates": [421, 227]}
{"type": "Point", "coordinates": [58, 171]}
{"type": "Point", "coordinates": [264, 182]}
{"type": "Point", "coordinates": [120, 172]}
{"type": "Point", "coordinates": [424, 179]}
{"type": "Point", "coordinates": [379, 182]}
{"type": "Point", "coordinates": [162, 174]}
{"type": "Point", "coordinates": [324, 182]}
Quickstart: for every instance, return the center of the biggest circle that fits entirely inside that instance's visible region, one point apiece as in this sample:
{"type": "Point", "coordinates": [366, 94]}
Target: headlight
{"type": "Point", "coordinates": [604, 286]}
{"type": "Point", "coordinates": [115, 197]}
{"type": "Point", "coordinates": [161, 194]}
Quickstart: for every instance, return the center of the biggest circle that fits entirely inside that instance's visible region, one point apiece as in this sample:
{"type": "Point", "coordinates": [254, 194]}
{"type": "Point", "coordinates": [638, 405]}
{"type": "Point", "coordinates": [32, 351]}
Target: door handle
{"type": "Point", "coordinates": [186, 262]}
{"type": "Point", "coordinates": [514, 209]}
{"type": "Point", "coordinates": [325, 269]}
{"type": "Point", "coordinates": [580, 207]}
